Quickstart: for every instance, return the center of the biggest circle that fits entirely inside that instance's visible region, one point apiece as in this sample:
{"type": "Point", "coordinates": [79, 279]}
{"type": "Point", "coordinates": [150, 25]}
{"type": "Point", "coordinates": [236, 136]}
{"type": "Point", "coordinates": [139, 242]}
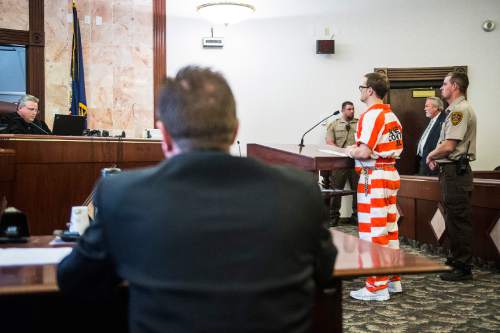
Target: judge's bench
{"type": "Point", "coordinates": [44, 176]}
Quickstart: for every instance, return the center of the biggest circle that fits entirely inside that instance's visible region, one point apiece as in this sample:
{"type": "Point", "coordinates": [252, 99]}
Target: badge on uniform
{"type": "Point", "coordinates": [456, 118]}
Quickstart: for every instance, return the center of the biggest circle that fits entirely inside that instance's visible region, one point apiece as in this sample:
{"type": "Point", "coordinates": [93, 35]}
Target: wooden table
{"type": "Point", "coordinates": [29, 295]}
{"type": "Point", "coordinates": [54, 173]}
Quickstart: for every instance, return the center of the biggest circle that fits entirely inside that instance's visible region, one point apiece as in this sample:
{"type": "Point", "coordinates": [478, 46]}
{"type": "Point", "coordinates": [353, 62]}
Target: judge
{"type": "Point", "coordinates": [24, 120]}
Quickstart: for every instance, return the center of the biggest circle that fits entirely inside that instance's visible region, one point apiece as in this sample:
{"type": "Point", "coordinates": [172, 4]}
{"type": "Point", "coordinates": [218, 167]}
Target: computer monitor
{"type": "Point", "coordinates": [68, 125]}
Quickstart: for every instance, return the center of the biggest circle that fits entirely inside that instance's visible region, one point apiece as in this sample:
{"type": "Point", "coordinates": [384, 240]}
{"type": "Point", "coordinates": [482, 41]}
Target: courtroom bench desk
{"type": "Point", "coordinates": [54, 173]}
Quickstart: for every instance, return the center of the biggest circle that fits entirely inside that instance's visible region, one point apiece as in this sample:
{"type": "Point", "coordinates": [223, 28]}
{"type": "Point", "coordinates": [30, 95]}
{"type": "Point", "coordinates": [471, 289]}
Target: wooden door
{"type": "Point", "coordinates": [411, 114]}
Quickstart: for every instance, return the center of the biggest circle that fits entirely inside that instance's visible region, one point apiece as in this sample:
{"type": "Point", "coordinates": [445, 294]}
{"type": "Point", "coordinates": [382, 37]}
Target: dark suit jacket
{"type": "Point", "coordinates": [430, 145]}
{"type": "Point", "coordinates": [13, 123]}
{"type": "Point", "coordinates": [208, 242]}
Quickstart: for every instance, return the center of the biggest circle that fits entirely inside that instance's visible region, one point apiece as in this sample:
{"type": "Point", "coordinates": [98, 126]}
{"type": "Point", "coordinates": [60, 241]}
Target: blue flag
{"type": "Point", "coordinates": [78, 99]}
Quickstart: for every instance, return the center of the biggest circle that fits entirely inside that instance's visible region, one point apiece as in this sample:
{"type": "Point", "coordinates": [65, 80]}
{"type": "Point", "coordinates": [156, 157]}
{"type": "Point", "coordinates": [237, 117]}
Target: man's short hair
{"type": "Point", "coordinates": [198, 109]}
{"type": "Point", "coordinates": [26, 98]}
{"type": "Point", "coordinates": [460, 79]}
{"type": "Point", "coordinates": [437, 102]}
{"type": "Point", "coordinates": [346, 103]}
{"type": "Point", "coordinates": [378, 82]}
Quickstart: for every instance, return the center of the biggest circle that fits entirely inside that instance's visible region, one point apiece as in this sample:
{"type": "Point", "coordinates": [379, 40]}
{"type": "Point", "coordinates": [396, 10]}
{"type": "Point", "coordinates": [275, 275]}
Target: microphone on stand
{"type": "Point", "coordinates": [33, 123]}
{"type": "Point", "coordinates": [301, 144]}
{"type": "Point", "coordinates": [41, 129]}
{"type": "Point", "coordinates": [239, 147]}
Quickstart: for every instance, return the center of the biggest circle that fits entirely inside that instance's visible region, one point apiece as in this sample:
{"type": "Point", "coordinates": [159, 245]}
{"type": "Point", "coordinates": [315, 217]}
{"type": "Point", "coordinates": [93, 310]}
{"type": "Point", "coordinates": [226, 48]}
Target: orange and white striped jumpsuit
{"type": "Point", "coordinates": [380, 129]}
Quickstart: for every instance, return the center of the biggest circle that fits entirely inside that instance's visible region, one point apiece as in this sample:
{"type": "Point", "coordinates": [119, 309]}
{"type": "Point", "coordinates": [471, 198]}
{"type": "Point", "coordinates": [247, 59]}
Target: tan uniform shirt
{"type": "Point", "coordinates": [460, 124]}
{"type": "Point", "coordinates": [342, 132]}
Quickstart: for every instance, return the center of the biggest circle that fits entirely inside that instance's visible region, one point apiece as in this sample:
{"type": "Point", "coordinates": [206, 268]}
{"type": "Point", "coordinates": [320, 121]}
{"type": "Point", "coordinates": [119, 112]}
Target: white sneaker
{"type": "Point", "coordinates": [395, 287]}
{"type": "Point", "coordinates": [366, 295]}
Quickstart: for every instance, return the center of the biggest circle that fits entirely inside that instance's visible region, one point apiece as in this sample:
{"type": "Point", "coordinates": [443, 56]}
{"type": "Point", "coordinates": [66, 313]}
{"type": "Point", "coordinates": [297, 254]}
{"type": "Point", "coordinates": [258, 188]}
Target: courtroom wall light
{"type": "Point", "coordinates": [225, 12]}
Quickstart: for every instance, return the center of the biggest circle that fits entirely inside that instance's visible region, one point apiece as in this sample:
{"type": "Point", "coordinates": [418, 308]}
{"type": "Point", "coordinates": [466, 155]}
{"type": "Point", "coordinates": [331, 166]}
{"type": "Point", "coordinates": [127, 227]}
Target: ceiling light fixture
{"type": "Point", "coordinates": [225, 12]}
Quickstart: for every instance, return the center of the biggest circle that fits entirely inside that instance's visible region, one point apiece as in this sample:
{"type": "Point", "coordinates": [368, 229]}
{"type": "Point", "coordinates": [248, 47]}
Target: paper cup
{"type": "Point", "coordinates": [79, 219]}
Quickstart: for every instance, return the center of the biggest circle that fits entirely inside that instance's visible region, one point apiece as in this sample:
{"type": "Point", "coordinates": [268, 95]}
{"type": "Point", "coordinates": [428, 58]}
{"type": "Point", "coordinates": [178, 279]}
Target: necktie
{"type": "Point", "coordinates": [421, 143]}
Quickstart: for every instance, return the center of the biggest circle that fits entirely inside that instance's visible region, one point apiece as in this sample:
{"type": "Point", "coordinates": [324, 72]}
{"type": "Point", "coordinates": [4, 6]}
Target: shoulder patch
{"type": "Point", "coordinates": [456, 118]}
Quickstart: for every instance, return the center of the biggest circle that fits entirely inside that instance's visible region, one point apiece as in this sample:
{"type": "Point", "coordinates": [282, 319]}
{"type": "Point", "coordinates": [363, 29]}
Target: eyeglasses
{"type": "Point", "coordinates": [347, 127]}
{"type": "Point", "coordinates": [363, 87]}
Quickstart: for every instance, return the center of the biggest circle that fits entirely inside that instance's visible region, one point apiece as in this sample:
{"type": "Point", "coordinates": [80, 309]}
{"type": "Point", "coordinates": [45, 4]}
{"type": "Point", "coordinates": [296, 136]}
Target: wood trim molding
{"type": "Point", "coordinates": [419, 74]}
{"type": "Point", "coordinates": [36, 22]}
{"type": "Point", "coordinates": [35, 81]}
{"type": "Point", "coordinates": [10, 36]}
{"type": "Point", "coordinates": [159, 49]}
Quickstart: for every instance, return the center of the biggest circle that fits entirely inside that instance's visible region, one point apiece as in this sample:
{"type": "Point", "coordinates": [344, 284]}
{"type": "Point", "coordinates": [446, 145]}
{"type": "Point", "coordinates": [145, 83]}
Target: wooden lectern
{"type": "Point", "coordinates": [310, 158]}
{"type": "Point", "coordinates": [313, 158]}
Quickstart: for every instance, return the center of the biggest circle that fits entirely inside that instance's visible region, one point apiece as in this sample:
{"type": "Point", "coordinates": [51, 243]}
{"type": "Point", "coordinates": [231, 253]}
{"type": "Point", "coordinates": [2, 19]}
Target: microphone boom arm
{"type": "Point", "coordinates": [301, 144]}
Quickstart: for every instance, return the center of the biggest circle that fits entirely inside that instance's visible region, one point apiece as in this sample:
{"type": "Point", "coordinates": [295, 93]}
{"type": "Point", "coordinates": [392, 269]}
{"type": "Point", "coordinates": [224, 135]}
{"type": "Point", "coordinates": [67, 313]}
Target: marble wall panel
{"type": "Point", "coordinates": [57, 29]}
{"type": "Point", "coordinates": [142, 58]}
{"type": "Point", "coordinates": [123, 22]}
{"type": "Point", "coordinates": [142, 2]}
{"type": "Point", "coordinates": [85, 19]}
{"type": "Point", "coordinates": [143, 28]}
{"type": "Point", "coordinates": [142, 108]}
{"type": "Point", "coordinates": [14, 14]}
{"type": "Point", "coordinates": [102, 33]}
{"type": "Point", "coordinates": [123, 56]}
{"type": "Point", "coordinates": [118, 62]}
{"type": "Point", "coordinates": [100, 87]}
{"type": "Point", "coordinates": [57, 101]}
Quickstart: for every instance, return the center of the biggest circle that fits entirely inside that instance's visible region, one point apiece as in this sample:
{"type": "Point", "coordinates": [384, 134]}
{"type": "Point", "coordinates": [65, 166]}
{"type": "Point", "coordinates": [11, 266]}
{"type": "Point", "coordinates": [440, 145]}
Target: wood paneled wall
{"type": "Point", "coordinates": [419, 199]}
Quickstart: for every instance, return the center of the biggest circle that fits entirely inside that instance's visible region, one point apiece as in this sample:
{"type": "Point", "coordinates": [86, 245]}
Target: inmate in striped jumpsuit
{"type": "Point", "coordinates": [380, 129]}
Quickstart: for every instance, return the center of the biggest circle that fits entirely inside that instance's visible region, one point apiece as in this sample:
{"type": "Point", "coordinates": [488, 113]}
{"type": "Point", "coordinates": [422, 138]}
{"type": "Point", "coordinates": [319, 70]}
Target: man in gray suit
{"type": "Point", "coordinates": [207, 242]}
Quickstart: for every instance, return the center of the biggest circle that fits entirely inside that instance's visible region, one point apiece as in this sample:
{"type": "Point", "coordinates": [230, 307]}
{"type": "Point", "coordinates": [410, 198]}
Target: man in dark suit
{"type": "Point", "coordinates": [24, 120]}
{"type": "Point", "coordinates": [430, 136]}
{"type": "Point", "coordinates": [207, 242]}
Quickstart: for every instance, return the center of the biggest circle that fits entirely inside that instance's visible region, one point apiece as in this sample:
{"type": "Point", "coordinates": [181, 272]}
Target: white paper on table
{"type": "Point", "coordinates": [32, 256]}
{"type": "Point", "coordinates": [333, 152]}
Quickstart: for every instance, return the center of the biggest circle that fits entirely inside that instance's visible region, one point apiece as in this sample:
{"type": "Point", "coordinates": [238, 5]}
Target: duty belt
{"type": "Point", "coordinates": [452, 163]}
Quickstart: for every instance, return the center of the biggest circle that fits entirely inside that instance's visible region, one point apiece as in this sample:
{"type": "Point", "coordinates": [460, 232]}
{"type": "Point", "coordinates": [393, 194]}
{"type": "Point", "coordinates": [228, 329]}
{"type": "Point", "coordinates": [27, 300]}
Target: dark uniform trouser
{"type": "Point", "coordinates": [338, 179]}
{"type": "Point", "coordinates": [456, 191]}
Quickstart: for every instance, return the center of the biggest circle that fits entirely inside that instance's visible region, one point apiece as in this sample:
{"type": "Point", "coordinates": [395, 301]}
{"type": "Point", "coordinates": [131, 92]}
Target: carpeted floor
{"type": "Point", "coordinates": [427, 303]}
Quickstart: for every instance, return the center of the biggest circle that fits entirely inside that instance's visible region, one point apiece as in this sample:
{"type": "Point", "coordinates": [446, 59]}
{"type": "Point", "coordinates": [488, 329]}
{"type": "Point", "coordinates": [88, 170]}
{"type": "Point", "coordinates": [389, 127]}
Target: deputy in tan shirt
{"type": "Point", "coordinates": [452, 155]}
{"type": "Point", "coordinates": [341, 133]}
{"type": "Point", "coordinates": [459, 125]}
